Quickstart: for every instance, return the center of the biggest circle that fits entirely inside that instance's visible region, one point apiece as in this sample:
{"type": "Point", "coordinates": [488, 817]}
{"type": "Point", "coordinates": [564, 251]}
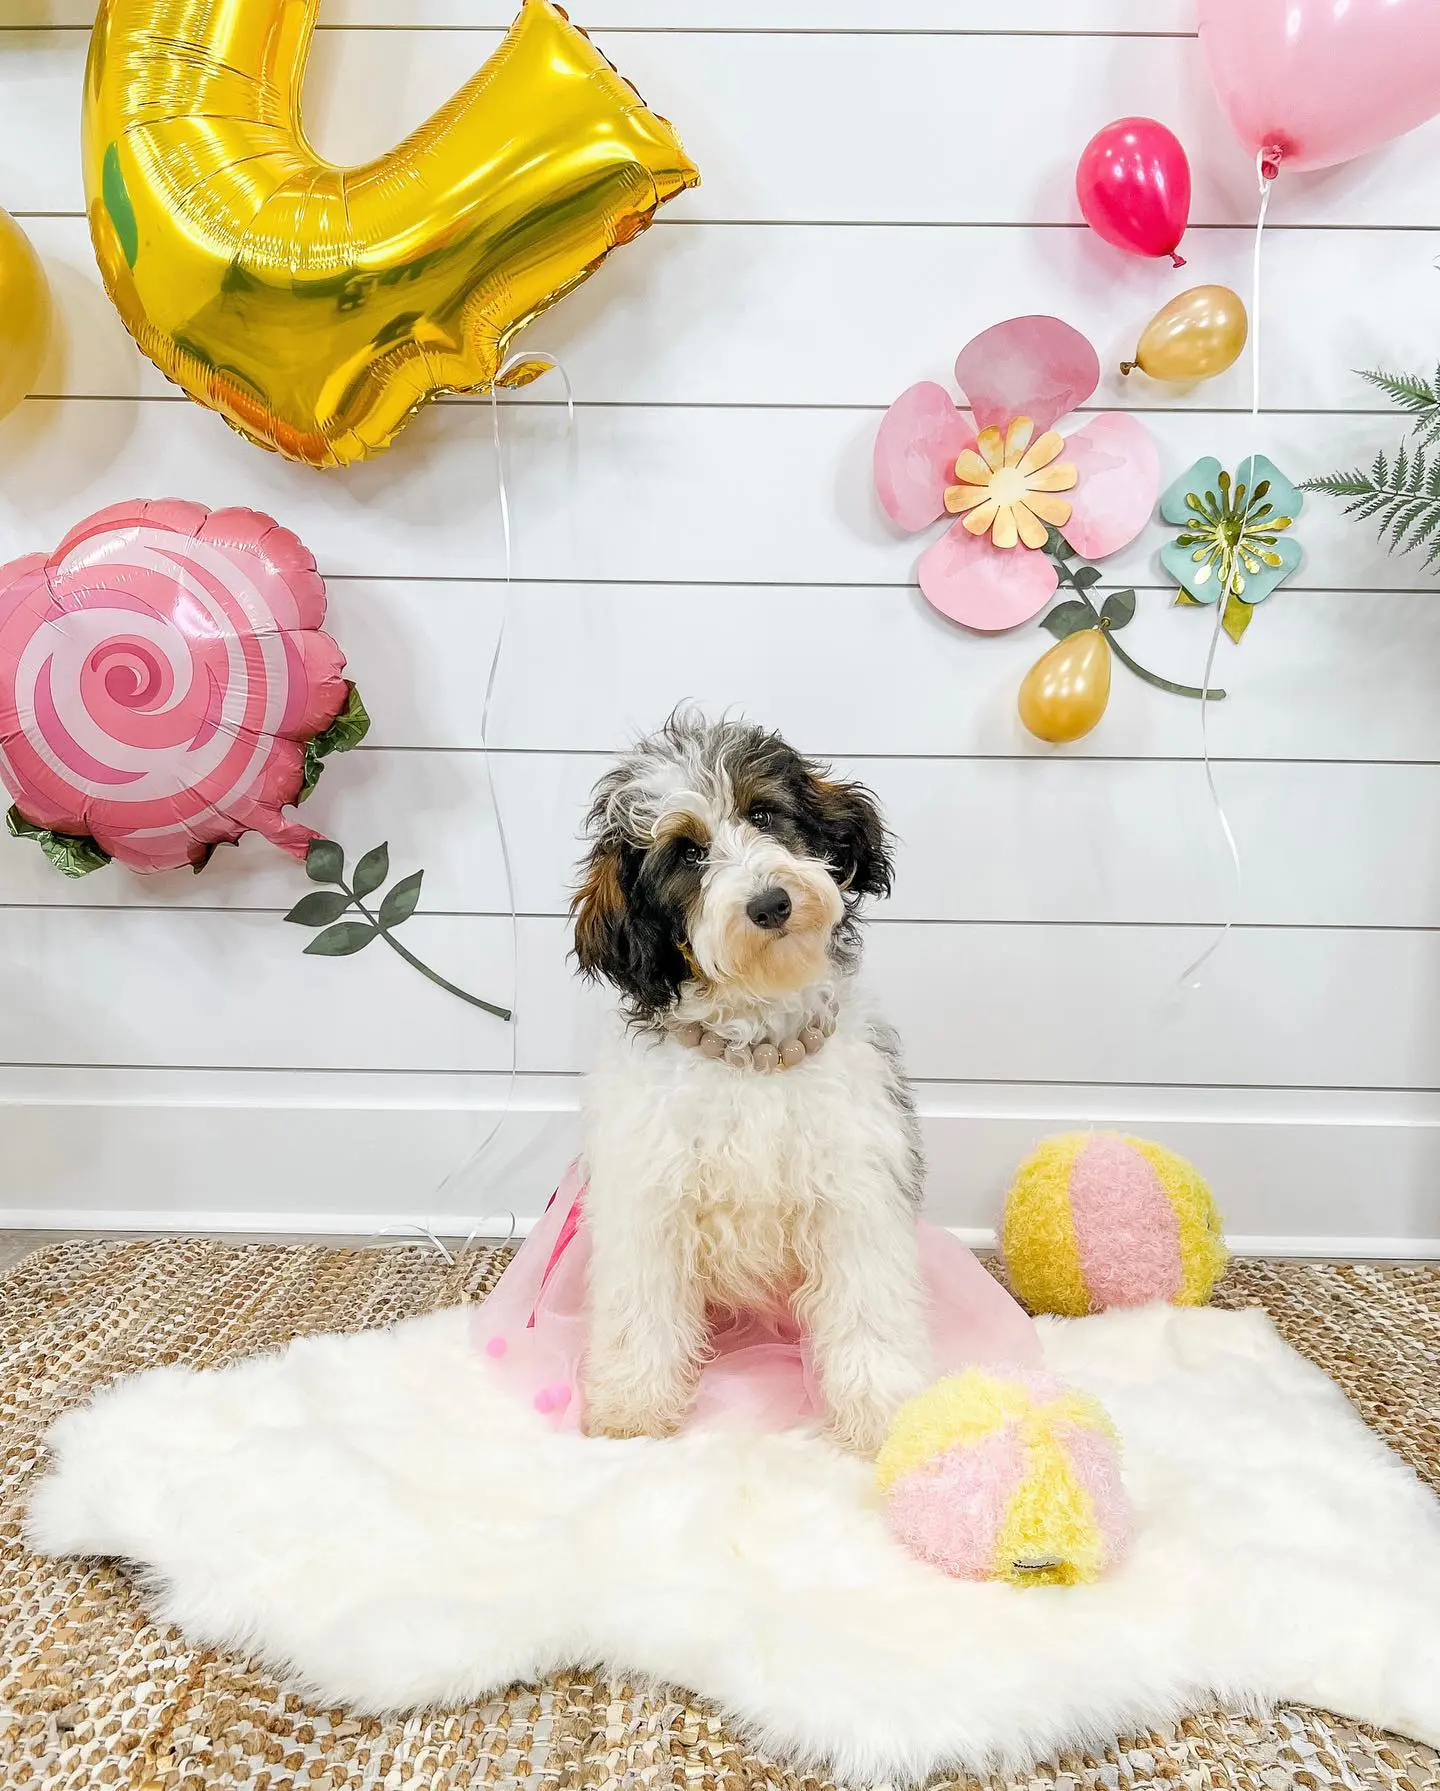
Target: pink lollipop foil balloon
{"type": "Point", "coordinates": [1133, 184]}
{"type": "Point", "coordinates": [160, 675]}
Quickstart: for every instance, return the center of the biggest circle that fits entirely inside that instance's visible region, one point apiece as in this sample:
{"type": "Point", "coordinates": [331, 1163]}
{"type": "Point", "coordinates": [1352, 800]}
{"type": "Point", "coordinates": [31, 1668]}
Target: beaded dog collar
{"type": "Point", "coordinates": [764, 1057]}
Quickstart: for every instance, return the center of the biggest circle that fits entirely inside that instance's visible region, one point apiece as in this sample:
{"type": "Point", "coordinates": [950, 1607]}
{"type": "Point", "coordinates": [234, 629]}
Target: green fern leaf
{"type": "Point", "coordinates": [1403, 521]}
{"type": "Point", "coordinates": [1429, 524]}
{"type": "Point", "coordinates": [1341, 484]}
{"type": "Point", "coordinates": [1401, 496]}
{"type": "Point", "coordinates": [1407, 391]}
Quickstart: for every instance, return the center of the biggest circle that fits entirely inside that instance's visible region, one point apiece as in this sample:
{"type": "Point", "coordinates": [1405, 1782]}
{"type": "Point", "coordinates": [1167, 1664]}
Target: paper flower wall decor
{"type": "Point", "coordinates": [1009, 476]}
{"type": "Point", "coordinates": [1234, 542]}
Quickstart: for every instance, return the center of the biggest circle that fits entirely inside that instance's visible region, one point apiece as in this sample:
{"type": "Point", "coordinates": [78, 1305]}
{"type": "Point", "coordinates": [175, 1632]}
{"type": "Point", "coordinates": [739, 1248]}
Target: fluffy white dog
{"type": "Point", "coordinates": [750, 1139]}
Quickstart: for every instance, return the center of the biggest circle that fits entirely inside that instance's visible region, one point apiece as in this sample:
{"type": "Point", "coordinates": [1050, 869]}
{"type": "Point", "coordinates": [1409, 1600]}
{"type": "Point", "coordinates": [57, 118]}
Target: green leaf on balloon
{"type": "Point", "coordinates": [399, 903]}
{"type": "Point", "coordinates": [342, 939]}
{"type": "Point", "coordinates": [348, 729]}
{"type": "Point", "coordinates": [72, 854]}
{"type": "Point", "coordinates": [117, 202]}
{"type": "Point", "coordinates": [372, 870]}
{"type": "Point", "coordinates": [324, 862]}
{"type": "Point", "coordinates": [1069, 618]}
{"type": "Point", "coordinates": [319, 908]}
{"type": "Point", "coordinates": [1118, 608]}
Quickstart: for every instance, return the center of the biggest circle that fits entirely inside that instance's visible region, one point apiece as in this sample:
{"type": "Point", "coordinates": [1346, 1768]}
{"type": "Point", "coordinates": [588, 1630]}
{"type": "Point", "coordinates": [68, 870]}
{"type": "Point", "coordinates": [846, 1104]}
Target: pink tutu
{"type": "Point", "coordinates": [759, 1375]}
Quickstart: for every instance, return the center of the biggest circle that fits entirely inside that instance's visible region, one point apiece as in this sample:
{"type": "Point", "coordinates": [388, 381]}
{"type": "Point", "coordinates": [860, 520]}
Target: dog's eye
{"type": "Point", "coordinates": [760, 817]}
{"type": "Point", "coordinates": [691, 852]}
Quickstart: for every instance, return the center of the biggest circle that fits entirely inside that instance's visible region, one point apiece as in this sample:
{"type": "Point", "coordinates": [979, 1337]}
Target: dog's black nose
{"type": "Point", "coordinates": [769, 909]}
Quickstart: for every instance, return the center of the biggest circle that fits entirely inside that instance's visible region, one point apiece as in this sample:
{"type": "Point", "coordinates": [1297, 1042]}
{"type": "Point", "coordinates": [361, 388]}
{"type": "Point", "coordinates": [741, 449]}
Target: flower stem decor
{"type": "Point", "coordinates": [1234, 545]}
{"type": "Point", "coordinates": [1118, 609]}
{"type": "Point", "coordinates": [1066, 691]}
{"type": "Point", "coordinates": [325, 863]}
{"type": "Point", "coordinates": [1401, 492]}
{"type": "Point", "coordinates": [166, 687]}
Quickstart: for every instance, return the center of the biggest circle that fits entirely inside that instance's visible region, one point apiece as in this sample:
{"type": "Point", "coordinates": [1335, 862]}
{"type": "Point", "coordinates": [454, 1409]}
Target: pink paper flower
{"type": "Point", "coordinates": [1010, 476]}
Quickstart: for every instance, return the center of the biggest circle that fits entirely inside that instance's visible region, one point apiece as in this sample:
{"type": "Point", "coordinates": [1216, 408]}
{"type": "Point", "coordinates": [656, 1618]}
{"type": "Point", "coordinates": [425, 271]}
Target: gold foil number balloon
{"type": "Point", "coordinates": [316, 307]}
{"type": "Point", "coordinates": [1197, 335]}
{"type": "Point", "coordinates": [24, 314]}
{"type": "Point", "coordinates": [1067, 688]}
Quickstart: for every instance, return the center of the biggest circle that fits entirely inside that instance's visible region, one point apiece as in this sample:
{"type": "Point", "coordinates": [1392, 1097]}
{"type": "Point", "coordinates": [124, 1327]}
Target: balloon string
{"type": "Point", "coordinates": [1265, 177]}
{"type": "Point", "coordinates": [529, 357]}
{"type": "Point", "coordinates": [1266, 167]}
{"type": "Point", "coordinates": [1189, 976]}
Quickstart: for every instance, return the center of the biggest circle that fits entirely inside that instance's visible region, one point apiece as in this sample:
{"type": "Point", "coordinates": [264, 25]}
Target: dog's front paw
{"type": "Point", "coordinates": [861, 1426]}
{"type": "Point", "coordinates": [624, 1425]}
{"type": "Point", "coordinates": [862, 1397]}
{"type": "Point", "coordinates": [626, 1410]}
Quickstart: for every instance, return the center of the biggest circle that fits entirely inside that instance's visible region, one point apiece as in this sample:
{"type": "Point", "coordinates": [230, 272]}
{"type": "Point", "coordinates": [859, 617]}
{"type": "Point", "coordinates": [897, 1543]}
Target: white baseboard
{"type": "Point", "coordinates": [452, 1227]}
{"type": "Point", "coordinates": [1299, 1173]}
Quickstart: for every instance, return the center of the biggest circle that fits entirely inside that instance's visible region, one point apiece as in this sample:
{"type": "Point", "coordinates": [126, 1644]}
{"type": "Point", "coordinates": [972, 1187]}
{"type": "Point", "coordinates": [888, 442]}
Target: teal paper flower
{"type": "Point", "coordinates": [1233, 540]}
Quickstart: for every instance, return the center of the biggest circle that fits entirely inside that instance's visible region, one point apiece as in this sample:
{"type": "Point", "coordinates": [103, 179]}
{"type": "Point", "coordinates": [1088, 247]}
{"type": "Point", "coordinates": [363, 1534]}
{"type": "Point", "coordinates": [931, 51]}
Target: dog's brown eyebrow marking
{"type": "Point", "coordinates": [680, 824]}
{"type": "Point", "coordinates": [758, 792]}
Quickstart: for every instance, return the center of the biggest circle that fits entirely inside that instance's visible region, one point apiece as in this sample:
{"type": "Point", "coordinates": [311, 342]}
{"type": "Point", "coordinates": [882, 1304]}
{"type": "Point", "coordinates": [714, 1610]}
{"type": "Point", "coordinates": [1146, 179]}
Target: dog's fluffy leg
{"type": "Point", "coordinates": [647, 1321]}
{"type": "Point", "coordinates": [864, 1307]}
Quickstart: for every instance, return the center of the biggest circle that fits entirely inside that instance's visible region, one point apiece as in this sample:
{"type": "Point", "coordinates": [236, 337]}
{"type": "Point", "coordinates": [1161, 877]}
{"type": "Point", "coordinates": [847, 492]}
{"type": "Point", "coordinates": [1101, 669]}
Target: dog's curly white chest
{"type": "Point", "coordinates": [759, 1168]}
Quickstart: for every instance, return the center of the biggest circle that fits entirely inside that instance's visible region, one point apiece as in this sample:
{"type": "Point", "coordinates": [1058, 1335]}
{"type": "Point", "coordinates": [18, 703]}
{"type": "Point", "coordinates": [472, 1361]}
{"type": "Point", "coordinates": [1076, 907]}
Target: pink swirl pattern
{"type": "Point", "coordinates": [160, 674]}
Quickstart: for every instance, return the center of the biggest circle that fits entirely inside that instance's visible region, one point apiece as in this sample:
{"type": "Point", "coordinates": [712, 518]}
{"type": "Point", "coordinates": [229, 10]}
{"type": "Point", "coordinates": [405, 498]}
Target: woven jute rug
{"type": "Point", "coordinates": [94, 1694]}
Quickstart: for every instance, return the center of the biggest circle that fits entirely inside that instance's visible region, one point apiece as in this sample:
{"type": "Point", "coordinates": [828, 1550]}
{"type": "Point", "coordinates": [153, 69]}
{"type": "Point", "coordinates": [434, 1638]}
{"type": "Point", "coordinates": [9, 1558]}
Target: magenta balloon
{"type": "Point", "coordinates": [1133, 184]}
{"type": "Point", "coordinates": [1323, 80]}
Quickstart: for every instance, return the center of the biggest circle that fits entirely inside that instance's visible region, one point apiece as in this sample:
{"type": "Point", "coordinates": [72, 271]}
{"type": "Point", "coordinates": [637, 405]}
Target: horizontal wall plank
{"type": "Point", "coordinates": [362, 1165]}
{"type": "Point", "coordinates": [995, 1003]}
{"type": "Point", "coordinates": [646, 331]}
{"type": "Point", "coordinates": [1327, 675]}
{"type": "Point", "coordinates": [1321, 674]}
{"type": "Point", "coordinates": [1321, 845]}
{"type": "Point", "coordinates": [727, 496]}
{"type": "Point", "coordinates": [1068, 17]}
{"type": "Point", "coordinates": [739, 102]}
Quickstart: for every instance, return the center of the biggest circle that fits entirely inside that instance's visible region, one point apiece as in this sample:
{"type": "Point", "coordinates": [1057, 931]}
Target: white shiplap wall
{"type": "Point", "coordinates": [880, 183]}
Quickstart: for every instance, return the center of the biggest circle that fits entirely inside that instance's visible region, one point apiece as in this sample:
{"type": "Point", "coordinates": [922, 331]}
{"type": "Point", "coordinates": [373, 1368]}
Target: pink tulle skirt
{"type": "Point", "coordinates": [759, 1376]}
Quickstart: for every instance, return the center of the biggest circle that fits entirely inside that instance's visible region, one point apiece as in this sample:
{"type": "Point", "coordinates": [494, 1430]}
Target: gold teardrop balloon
{"type": "Point", "coordinates": [1065, 692]}
{"type": "Point", "coordinates": [316, 307]}
{"type": "Point", "coordinates": [1197, 335]}
{"type": "Point", "coordinates": [24, 313]}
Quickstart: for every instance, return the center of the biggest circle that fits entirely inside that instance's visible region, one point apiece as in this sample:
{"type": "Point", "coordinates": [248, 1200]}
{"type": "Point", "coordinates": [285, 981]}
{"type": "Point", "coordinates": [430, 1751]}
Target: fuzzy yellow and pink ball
{"type": "Point", "coordinates": [1095, 1220]}
{"type": "Point", "coordinates": [1006, 1476]}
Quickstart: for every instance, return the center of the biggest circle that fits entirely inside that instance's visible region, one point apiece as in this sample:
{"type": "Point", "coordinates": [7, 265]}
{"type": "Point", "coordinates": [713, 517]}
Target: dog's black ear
{"type": "Point", "coordinates": [619, 935]}
{"type": "Point", "coordinates": [856, 842]}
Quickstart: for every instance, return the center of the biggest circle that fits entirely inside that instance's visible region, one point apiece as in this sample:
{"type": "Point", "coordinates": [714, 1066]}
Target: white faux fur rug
{"type": "Point", "coordinates": [371, 1513]}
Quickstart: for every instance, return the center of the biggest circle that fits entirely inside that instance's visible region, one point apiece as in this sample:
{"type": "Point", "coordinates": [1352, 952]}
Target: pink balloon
{"type": "Point", "coordinates": [1317, 81]}
{"type": "Point", "coordinates": [160, 674]}
{"type": "Point", "coordinates": [1133, 184]}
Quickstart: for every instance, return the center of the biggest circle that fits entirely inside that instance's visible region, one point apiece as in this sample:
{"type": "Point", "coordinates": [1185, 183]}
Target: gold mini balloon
{"type": "Point", "coordinates": [1197, 335]}
{"type": "Point", "coordinates": [316, 307]}
{"type": "Point", "coordinates": [1066, 690]}
{"type": "Point", "coordinates": [24, 314]}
